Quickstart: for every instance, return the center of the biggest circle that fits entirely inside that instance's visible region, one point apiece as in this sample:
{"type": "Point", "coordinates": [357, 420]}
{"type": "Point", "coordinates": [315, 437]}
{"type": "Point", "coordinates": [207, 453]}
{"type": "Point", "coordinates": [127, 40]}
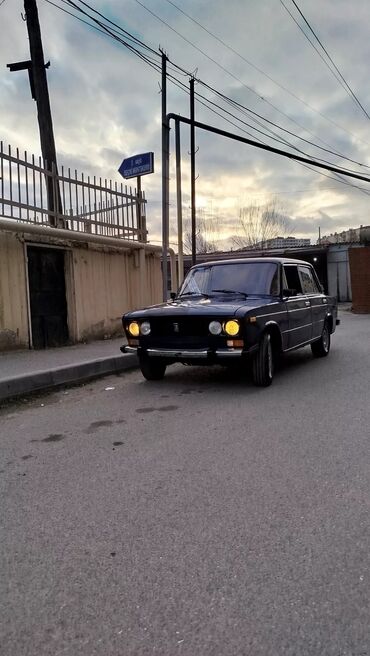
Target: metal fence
{"type": "Point", "coordinates": [32, 192]}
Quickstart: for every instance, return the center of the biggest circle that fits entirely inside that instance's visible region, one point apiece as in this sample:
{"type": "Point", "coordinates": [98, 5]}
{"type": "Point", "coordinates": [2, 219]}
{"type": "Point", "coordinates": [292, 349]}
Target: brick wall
{"type": "Point", "coordinates": [359, 262]}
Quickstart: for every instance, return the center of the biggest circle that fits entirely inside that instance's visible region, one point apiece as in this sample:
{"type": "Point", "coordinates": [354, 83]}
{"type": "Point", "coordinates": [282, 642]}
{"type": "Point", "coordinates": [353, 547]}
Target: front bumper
{"type": "Point", "coordinates": [185, 354]}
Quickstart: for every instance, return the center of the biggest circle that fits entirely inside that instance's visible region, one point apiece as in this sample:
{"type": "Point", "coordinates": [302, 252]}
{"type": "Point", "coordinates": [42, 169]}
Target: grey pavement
{"type": "Point", "coordinates": [197, 515]}
{"type": "Point", "coordinates": [27, 371]}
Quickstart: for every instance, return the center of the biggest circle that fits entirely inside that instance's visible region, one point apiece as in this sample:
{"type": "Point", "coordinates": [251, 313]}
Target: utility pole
{"type": "Point", "coordinates": [192, 175]}
{"type": "Point", "coordinates": [165, 176]}
{"type": "Point", "coordinates": [39, 88]}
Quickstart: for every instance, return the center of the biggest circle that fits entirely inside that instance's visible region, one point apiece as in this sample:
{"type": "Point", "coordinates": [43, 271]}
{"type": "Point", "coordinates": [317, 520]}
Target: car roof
{"type": "Point", "coordinates": [242, 260]}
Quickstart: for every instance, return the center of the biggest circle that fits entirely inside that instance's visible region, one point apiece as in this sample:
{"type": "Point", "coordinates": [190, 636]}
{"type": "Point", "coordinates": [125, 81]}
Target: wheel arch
{"type": "Point", "coordinates": [272, 328]}
{"type": "Point", "coordinates": [330, 322]}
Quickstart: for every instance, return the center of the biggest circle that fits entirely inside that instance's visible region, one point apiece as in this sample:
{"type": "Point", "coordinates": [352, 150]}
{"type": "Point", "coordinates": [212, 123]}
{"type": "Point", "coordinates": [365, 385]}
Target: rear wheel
{"type": "Point", "coordinates": [321, 348]}
{"type": "Point", "coordinates": [152, 369]}
{"type": "Point", "coordinates": [263, 363]}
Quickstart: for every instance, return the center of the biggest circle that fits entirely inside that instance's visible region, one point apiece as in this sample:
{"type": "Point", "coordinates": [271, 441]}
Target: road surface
{"type": "Point", "coordinates": [197, 515]}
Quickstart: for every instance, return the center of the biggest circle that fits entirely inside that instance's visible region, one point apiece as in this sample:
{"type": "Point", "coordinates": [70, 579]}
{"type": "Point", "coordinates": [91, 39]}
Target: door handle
{"type": "Point", "coordinates": [324, 300]}
{"type": "Point", "coordinates": [307, 303]}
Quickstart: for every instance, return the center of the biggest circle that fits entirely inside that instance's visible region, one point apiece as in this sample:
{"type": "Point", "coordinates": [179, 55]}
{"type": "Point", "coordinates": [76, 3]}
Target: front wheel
{"type": "Point", "coordinates": [321, 348]}
{"type": "Point", "coordinates": [152, 369]}
{"type": "Point", "coordinates": [263, 363]}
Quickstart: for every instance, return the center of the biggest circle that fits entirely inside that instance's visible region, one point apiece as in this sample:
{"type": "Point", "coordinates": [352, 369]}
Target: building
{"type": "Point", "coordinates": [350, 236]}
{"type": "Point", "coordinates": [284, 242]}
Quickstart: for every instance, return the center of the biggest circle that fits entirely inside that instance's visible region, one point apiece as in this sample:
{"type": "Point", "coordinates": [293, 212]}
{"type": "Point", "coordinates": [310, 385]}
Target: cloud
{"type": "Point", "coordinates": [106, 102]}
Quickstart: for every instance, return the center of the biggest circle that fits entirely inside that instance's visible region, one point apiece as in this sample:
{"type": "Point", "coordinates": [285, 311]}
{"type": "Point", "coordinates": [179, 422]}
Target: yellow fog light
{"type": "Point", "coordinates": [134, 328]}
{"type": "Point", "coordinates": [231, 327]}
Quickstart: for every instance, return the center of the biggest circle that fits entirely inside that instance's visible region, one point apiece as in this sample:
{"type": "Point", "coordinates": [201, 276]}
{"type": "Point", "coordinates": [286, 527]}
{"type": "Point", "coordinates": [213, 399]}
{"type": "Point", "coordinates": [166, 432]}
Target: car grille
{"type": "Point", "coordinates": [179, 332]}
{"type": "Point", "coordinates": [179, 327]}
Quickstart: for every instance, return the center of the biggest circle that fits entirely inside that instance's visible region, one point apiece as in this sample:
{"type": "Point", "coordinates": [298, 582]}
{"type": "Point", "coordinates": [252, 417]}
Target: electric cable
{"type": "Point", "coordinates": [338, 76]}
{"type": "Point", "coordinates": [70, 2]}
{"type": "Point", "coordinates": [259, 70]}
{"type": "Point", "coordinates": [331, 60]}
{"type": "Point", "coordinates": [157, 68]}
{"type": "Point", "coordinates": [235, 77]}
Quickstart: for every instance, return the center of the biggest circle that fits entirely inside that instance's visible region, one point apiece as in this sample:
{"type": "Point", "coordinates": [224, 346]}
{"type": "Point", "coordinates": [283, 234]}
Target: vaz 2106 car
{"type": "Point", "coordinates": [242, 310]}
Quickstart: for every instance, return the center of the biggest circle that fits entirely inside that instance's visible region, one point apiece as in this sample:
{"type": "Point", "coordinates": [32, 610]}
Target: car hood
{"type": "Point", "coordinates": [197, 307]}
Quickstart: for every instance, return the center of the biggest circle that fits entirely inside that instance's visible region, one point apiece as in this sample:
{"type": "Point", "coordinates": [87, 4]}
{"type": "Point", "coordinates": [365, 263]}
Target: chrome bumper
{"type": "Point", "coordinates": [185, 354]}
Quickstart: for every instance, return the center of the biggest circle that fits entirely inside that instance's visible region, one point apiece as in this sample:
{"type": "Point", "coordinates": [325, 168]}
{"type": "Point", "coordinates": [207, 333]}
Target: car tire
{"type": "Point", "coordinates": [263, 363]}
{"type": "Point", "coordinates": [321, 348]}
{"type": "Point", "coordinates": [152, 370]}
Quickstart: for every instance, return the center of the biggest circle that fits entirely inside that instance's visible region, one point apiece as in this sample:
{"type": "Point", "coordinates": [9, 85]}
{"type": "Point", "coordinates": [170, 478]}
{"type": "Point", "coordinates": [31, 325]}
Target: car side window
{"type": "Point", "coordinates": [309, 285]}
{"type": "Point", "coordinates": [274, 287]}
{"type": "Point", "coordinates": [292, 277]}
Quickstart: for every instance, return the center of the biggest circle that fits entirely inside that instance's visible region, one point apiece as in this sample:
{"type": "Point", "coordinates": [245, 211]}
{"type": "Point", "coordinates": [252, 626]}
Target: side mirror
{"type": "Point", "coordinates": [289, 292]}
{"type": "Point", "coordinates": [173, 296]}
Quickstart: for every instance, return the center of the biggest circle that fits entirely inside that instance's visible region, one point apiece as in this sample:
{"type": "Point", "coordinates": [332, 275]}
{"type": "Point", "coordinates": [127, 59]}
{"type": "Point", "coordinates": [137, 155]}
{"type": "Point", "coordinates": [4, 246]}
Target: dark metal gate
{"type": "Point", "coordinates": [47, 297]}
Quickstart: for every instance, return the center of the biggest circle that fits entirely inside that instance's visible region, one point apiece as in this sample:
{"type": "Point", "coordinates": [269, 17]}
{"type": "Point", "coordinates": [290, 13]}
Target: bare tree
{"type": "Point", "coordinates": [207, 231]}
{"type": "Point", "coordinates": [260, 223]}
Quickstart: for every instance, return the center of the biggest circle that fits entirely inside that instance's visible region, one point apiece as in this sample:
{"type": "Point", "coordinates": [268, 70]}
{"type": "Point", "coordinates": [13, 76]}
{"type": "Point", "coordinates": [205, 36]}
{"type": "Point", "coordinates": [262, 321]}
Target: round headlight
{"type": "Point", "coordinates": [215, 328]}
{"type": "Point", "coordinates": [134, 329]}
{"type": "Point", "coordinates": [145, 328]}
{"type": "Point", "coordinates": [231, 327]}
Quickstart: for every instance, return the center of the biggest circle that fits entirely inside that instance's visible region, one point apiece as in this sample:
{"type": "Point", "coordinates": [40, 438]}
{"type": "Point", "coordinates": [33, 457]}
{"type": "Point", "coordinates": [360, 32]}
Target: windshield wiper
{"type": "Point", "coordinates": [230, 291]}
{"type": "Point", "coordinates": [193, 294]}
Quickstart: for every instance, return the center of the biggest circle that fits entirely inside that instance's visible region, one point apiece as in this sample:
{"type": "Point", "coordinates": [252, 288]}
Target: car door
{"type": "Point", "coordinates": [299, 308]}
{"type": "Point", "coordinates": [317, 299]}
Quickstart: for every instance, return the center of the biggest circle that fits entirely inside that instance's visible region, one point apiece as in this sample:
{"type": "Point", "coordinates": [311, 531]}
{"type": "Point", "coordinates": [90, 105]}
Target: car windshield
{"type": "Point", "coordinates": [245, 278]}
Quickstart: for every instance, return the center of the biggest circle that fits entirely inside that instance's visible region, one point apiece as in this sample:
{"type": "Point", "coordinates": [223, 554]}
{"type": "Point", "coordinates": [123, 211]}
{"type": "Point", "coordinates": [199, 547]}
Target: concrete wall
{"type": "Point", "coordinates": [102, 283]}
{"type": "Point", "coordinates": [13, 294]}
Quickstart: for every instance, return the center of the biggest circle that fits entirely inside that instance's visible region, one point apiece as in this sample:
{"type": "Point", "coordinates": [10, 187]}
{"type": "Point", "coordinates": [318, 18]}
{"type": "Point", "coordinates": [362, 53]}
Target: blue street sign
{"type": "Point", "coordinates": [137, 165]}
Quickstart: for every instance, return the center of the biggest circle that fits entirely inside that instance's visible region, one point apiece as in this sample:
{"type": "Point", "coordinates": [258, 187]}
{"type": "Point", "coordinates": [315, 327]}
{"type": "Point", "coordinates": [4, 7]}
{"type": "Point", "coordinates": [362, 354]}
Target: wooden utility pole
{"type": "Point", "coordinates": [39, 88]}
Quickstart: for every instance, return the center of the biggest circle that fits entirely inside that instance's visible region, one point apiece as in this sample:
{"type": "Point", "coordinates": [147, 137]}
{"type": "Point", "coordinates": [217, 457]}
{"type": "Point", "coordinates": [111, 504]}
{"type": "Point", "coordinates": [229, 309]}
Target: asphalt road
{"type": "Point", "coordinates": [194, 516]}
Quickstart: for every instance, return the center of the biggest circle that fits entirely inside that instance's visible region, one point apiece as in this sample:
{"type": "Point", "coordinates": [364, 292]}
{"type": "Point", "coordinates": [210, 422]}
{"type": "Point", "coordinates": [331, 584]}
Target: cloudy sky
{"type": "Point", "coordinates": [106, 101]}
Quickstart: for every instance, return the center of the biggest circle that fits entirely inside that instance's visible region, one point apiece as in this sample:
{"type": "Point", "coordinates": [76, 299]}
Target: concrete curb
{"type": "Point", "coordinates": [78, 372]}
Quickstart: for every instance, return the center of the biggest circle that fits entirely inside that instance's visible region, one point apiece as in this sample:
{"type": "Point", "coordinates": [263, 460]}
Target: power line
{"type": "Point", "coordinates": [128, 35]}
{"type": "Point", "coordinates": [228, 71]}
{"type": "Point", "coordinates": [75, 16]}
{"type": "Point", "coordinates": [214, 61]}
{"type": "Point", "coordinates": [250, 111]}
{"type": "Point", "coordinates": [139, 42]}
{"type": "Point", "coordinates": [257, 68]}
{"type": "Point", "coordinates": [107, 31]}
{"type": "Point", "coordinates": [283, 141]}
{"type": "Point", "coordinates": [337, 178]}
{"type": "Point", "coordinates": [271, 149]}
{"type": "Point", "coordinates": [339, 77]}
{"type": "Point", "coordinates": [157, 68]}
{"type": "Point", "coordinates": [331, 60]}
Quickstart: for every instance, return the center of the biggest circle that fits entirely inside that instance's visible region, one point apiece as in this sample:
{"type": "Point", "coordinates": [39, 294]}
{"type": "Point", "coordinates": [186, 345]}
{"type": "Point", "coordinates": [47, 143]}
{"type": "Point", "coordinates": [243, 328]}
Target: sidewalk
{"type": "Point", "coordinates": [22, 372]}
